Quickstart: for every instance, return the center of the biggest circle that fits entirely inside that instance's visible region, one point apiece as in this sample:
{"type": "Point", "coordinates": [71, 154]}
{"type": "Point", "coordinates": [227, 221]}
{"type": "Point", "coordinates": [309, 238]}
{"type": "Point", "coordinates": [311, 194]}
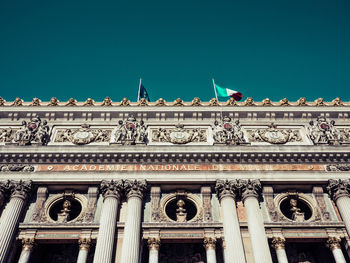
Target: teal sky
{"type": "Point", "coordinates": [81, 49]}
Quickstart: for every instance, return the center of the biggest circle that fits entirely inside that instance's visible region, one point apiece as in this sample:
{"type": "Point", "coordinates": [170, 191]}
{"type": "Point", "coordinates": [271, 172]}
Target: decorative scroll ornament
{"type": "Point", "coordinates": [228, 132]}
{"type": "Point", "coordinates": [35, 131]}
{"type": "Point", "coordinates": [16, 168]}
{"type": "Point", "coordinates": [324, 132]}
{"type": "Point", "coordinates": [338, 188]}
{"type": "Point", "coordinates": [131, 132]}
{"type": "Point", "coordinates": [179, 135]}
{"type": "Point", "coordinates": [274, 135]}
{"type": "Point", "coordinates": [135, 188]}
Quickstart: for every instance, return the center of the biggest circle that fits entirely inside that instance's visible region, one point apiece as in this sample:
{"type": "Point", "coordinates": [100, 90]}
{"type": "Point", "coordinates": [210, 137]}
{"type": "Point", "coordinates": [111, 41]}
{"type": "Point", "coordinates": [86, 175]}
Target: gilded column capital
{"type": "Point", "coordinates": [225, 188]}
{"type": "Point", "coordinates": [153, 243]}
{"type": "Point", "coordinates": [278, 243]}
{"type": "Point", "coordinates": [21, 189]}
{"type": "Point", "coordinates": [84, 243]}
{"type": "Point", "coordinates": [111, 188]}
{"type": "Point", "coordinates": [338, 188]}
{"type": "Point", "coordinates": [333, 243]}
{"type": "Point", "coordinates": [209, 243]}
{"type": "Point", "coordinates": [249, 188]}
{"type": "Point", "coordinates": [135, 188]}
{"type": "Point", "coordinates": [28, 244]}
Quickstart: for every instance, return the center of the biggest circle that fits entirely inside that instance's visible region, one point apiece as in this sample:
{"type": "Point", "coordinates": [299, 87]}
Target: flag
{"type": "Point", "coordinates": [143, 93]}
{"type": "Point", "coordinates": [224, 92]}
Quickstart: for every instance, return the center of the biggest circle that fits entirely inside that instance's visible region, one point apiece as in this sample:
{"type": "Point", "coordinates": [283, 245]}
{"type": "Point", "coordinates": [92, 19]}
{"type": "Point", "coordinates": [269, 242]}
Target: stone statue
{"type": "Point", "coordinates": [297, 215]}
{"type": "Point", "coordinates": [34, 131]}
{"type": "Point", "coordinates": [63, 217]}
{"type": "Point", "coordinates": [181, 215]}
{"type": "Point", "coordinates": [324, 132]}
{"type": "Point", "coordinates": [131, 132]}
{"type": "Point", "coordinates": [228, 132]}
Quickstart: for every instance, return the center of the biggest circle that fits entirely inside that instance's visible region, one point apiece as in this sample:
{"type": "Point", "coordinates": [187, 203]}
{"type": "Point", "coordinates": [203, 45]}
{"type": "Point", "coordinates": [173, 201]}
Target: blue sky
{"type": "Point", "coordinates": [95, 49]}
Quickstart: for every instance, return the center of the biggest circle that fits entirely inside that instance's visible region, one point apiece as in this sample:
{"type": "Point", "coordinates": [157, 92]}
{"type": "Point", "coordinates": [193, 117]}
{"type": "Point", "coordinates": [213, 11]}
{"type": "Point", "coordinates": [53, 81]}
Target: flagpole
{"type": "Point", "coordinates": [216, 95]}
{"type": "Point", "coordinates": [138, 93]}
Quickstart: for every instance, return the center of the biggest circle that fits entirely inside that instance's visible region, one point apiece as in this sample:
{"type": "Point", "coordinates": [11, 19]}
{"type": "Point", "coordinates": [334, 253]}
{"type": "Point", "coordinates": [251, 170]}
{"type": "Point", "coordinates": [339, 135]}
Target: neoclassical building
{"type": "Point", "coordinates": [174, 182]}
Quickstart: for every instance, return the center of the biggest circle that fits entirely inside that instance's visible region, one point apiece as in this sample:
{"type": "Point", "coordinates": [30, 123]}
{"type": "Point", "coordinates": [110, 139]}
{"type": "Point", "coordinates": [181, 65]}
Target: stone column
{"type": "Point", "coordinates": [11, 215]}
{"type": "Point", "coordinates": [334, 244]}
{"type": "Point", "coordinates": [27, 248]}
{"type": "Point", "coordinates": [278, 243]}
{"type": "Point", "coordinates": [153, 245]}
{"type": "Point", "coordinates": [339, 191]}
{"type": "Point", "coordinates": [226, 192]}
{"type": "Point", "coordinates": [131, 241]}
{"type": "Point", "coordinates": [250, 193]}
{"type": "Point", "coordinates": [108, 221]}
{"type": "Point", "coordinates": [84, 247]}
{"type": "Point", "coordinates": [210, 246]}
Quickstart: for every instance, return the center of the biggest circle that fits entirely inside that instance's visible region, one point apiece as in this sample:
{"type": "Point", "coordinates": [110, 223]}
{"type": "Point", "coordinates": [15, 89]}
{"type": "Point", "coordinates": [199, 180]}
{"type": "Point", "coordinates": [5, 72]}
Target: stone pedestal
{"type": "Point", "coordinates": [27, 248]}
{"type": "Point", "coordinates": [11, 215]}
{"type": "Point", "coordinates": [153, 245]}
{"type": "Point", "coordinates": [108, 221]}
{"type": "Point", "coordinates": [131, 241]}
{"type": "Point", "coordinates": [210, 246]}
{"type": "Point", "coordinates": [278, 243]}
{"type": "Point", "coordinates": [334, 244]}
{"type": "Point", "coordinates": [84, 247]}
{"type": "Point", "coordinates": [234, 251]}
{"type": "Point", "coordinates": [256, 229]}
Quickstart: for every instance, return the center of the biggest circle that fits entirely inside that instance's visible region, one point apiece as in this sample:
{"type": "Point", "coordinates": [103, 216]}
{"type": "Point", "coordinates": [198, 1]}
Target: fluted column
{"type": "Point", "coordinates": [226, 192]}
{"type": "Point", "coordinates": [334, 245]}
{"type": "Point", "coordinates": [27, 248]}
{"type": "Point", "coordinates": [250, 193]}
{"type": "Point", "coordinates": [11, 215]}
{"type": "Point", "coordinates": [84, 247]}
{"type": "Point", "coordinates": [108, 221]}
{"type": "Point", "coordinates": [210, 247]}
{"type": "Point", "coordinates": [339, 191]}
{"type": "Point", "coordinates": [278, 243]}
{"type": "Point", "coordinates": [153, 245]}
{"type": "Point", "coordinates": [131, 242]}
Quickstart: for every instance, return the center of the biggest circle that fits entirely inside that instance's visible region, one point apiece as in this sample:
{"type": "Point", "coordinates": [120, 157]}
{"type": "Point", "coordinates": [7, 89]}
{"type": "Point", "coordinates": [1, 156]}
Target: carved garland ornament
{"type": "Point", "coordinates": [179, 135]}
{"type": "Point", "coordinates": [274, 135]}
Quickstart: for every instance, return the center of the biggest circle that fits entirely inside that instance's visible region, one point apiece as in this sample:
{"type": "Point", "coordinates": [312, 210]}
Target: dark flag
{"type": "Point", "coordinates": [143, 93]}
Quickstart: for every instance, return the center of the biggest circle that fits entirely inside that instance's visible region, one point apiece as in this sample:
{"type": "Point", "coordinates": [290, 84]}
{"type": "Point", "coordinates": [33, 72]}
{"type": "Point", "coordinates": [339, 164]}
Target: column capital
{"type": "Point", "coordinates": [338, 188]}
{"type": "Point", "coordinates": [333, 243]}
{"type": "Point", "coordinates": [225, 188]}
{"type": "Point", "coordinates": [209, 243]}
{"type": "Point", "coordinates": [28, 244]}
{"type": "Point", "coordinates": [153, 243]}
{"type": "Point", "coordinates": [4, 187]}
{"type": "Point", "coordinates": [111, 188]}
{"type": "Point", "coordinates": [278, 243]}
{"type": "Point", "coordinates": [135, 188]}
{"type": "Point", "coordinates": [250, 188]}
{"type": "Point", "coordinates": [21, 188]}
{"type": "Point", "coordinates": [84, 243]}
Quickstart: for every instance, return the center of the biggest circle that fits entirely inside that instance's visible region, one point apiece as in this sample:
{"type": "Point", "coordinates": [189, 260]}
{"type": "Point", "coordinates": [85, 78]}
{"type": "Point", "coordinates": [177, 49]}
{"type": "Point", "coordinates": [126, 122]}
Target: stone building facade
{"type": "Point", "coordinates": [174, 182]}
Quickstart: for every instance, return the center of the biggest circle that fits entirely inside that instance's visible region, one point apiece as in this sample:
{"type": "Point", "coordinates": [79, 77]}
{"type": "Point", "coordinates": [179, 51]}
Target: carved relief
{"type": "Point", "coordinates": [324, 132]}
{"type": "Point", "coordinates": [319, 196]}
{"type": "Point", "coordinates": [155, 207]}
{"type": "Point", "coordinates": [228, 132]}
{"type": "Point", "coordinates": [131, 132]}
{"type": "Point", "coordinates": [16, 168]}
{"type": "Point", "coordinates": [7, 134]}
{"type": "Point", "coordinates": [39, 204]}
{"type": "Point", "coordinates": [274, 135]}
{"type": "Point", "coordinates": [270, 204]}
{"type": "Point", "coordinates": [34, 131]}
{"type": "Point", "coordinates": [338, 167]}
{"type": "Point", "coordinates": [206, 197]}
{"type": "Point", "coordinates": [83, 135]}
{"type": "Point", "coordinates": [91, 205]}
{"type": "Point", "coordinates": [179, 135]}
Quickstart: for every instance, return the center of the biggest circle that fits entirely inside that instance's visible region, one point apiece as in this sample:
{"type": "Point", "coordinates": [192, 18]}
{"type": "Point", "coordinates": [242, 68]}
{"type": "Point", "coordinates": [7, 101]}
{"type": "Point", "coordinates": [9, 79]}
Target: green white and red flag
{"type": "Point", "coordinates": [224, 92]}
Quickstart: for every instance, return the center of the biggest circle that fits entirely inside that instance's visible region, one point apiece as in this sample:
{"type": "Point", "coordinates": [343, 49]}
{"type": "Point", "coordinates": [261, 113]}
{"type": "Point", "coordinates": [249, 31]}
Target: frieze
{"type": "Point", "coordinates": [130, 132]}
{"type": "Point", "coordinates": [227, 132]}
{"type": "Point", "coordinates": [338, 167]}
{"type": "Point", "coordinates": [17, 168]}
{"type": "Point", "coordinates": [323, 131]}
{"type": "Point", "coordinates": [83, 135]}
{"type": "Point", "coordinates": [179, 135]}
{"type": "Point", "coordinates": [274, 135]}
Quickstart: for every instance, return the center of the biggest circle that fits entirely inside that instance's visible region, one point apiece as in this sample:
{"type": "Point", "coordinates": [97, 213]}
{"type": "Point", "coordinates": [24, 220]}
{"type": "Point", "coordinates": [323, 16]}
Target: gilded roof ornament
{"type": "Point", "coordinates": [196, 102]}
{"type": "Point", "coordinates": [89, 102]}
{"type": "Point", "coordinates": [53, 102]}
{"type": "Point", "coordinates": [178, 102]}
{"type": "Point", "coordinates": [125, 102]}
{"type": "Point", "coordinates": [302, 102]}
{"type": "Point", "coordinates": [17, 102]}
{"type": "Point", "coordinates": [337, 102]}
{"type": "Point", "coordinates": [231, 102]}
{"type": "Point", "coordinates": [71, 102]}
{"type": "Point", "coordinates": [249, 102]}
{"type": "Point", "coordinates": [214, 102]}
{"type": "Point", "coordinates": [35, 102]}
{"type": "Point", "coordinates": [320, 102]}
{"type": "Point", "coordinates": [284, 102]}
{"type": "Point", "coordinates": [160, 102]}
{"type": "Point", "coordinates": [2, 101]}
{"type": "Point", "coordinates": [107, 102]}
{"type": "Point", "coordinates": [267, 102]}
{"type": "Point", "coordinates": [142, 102]}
